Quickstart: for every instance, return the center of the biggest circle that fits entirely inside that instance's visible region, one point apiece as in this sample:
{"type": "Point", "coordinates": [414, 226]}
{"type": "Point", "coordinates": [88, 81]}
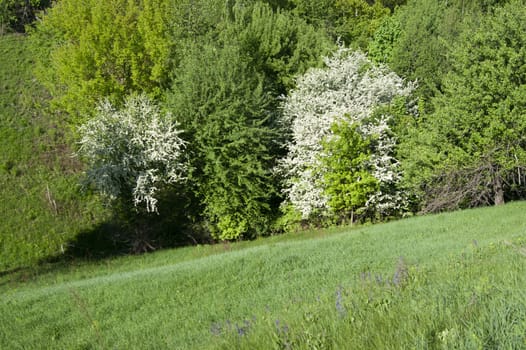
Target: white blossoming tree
{"type": "Point", "coordinates": [350, 89]}
{"type": "Point", "coordinates": [132, 152]}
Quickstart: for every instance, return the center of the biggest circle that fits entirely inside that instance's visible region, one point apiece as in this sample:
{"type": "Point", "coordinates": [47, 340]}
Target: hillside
{"type": "Point", "coordinates": [452, 280]}
{"type": "Point", "coordinates": [42, 208]}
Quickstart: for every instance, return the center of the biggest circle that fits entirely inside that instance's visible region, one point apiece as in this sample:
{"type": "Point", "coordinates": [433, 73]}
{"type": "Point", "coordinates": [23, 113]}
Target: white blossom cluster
{"type": "Point", "coordinates": [386, 169]}
{"type": "Point", "coordinates": [348, 89]}
{"type": "Point", "coordinates": [132, 151]}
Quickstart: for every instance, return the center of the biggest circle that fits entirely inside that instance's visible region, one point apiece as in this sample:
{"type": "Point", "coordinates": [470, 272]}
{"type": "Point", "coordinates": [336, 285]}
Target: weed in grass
{"type": "Point", "coordinates": [84, 311]}
{"type": "Point", "coordinates": [339, 303]}
{"type": "Point", "coordinates": [229, 328]}
{"type": "Point", "coordinates": [216, 329]}
{"type": "Point", "coordinates": [282, 336]}
{"type": "Point", "coordinates": [401, 273]}
{"type": "Point", "coordinates": [243, 328]}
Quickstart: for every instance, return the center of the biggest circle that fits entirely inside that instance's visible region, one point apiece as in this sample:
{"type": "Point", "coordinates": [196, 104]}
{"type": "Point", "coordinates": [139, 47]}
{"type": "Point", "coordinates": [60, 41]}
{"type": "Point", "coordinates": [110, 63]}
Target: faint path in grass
{"type": "Point", "coordinates": [158, 271]}
{"type": "Point", "coordinates": [417, 239]}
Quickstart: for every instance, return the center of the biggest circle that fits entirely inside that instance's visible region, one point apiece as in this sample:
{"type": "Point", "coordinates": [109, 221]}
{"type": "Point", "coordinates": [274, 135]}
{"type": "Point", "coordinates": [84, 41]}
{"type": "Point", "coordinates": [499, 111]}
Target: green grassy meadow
{"type": "Point", "coordinates": [448, 281]}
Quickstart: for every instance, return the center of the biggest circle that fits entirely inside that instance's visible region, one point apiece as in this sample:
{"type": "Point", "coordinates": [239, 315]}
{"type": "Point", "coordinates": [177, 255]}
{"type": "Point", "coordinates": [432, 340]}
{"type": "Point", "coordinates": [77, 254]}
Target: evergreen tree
{"type": "Point", "coordinates": [278, 44]}
{"type": "Point", "coordinates": [229, 110]}
{"type": "Point", "coordinates": [225, 111]}
{"type": "Point", "coordinates": [352, 21]}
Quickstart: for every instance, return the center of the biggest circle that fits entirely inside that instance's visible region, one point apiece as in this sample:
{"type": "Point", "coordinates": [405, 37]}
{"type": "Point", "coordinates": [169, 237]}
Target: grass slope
{"type": "Point", "coordinates": [41, 208]}
{"type": "Point", "coordinates": [446, 281]}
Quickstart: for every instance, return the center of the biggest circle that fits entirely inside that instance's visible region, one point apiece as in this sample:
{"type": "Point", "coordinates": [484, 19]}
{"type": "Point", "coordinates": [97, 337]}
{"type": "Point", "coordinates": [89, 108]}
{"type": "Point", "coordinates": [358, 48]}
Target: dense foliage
{"type": "Point", "coordinates": [225, 111]}
{"type": "Point", "coordinates": [480, 119]}
{"type": "Point", "coordinates": [429, 117]}
{"type": "Point", "coordinates": [352, 21]}
{"type": "Point", "coordinates": [228, 109]}
{"type": "Point", "coordinates": [417, 40]}
{"type": "Point", "coordinates": [103, 50]}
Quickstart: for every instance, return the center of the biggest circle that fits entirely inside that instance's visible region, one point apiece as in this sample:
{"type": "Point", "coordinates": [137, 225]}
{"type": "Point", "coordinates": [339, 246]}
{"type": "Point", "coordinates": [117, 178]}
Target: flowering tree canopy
{"type": "Point", "coordinates": [348, 90]}
{"type": "Point", "coordinates": [131, 152]}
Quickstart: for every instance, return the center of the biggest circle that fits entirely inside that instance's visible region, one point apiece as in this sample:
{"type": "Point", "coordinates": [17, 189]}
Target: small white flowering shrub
{"type": "Point", "coordinates": [348, 90]}
{"type": "Point", "coordinates": [132, 152]}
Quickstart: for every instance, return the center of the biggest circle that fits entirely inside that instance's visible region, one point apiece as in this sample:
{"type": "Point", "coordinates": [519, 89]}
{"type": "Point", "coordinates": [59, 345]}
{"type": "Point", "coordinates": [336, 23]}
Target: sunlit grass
{"type": "Point", "coordinates": [443, 281]}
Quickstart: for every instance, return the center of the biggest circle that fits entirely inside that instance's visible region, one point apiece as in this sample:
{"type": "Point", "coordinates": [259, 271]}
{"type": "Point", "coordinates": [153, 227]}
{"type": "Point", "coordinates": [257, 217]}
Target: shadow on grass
{"type": "Point", "coordinates": [129, 232]}
{"type": "Point", "coordinates": [112, 239]}
{"type": "Point", "coordinates": [131, 235]}
{"type": "Point", "coordinates": [90, 245]}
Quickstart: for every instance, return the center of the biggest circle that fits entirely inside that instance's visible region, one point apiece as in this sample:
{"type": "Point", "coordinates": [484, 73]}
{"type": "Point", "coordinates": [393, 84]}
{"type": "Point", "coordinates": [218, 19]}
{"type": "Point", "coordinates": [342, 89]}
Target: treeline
{"type": "Point", "coordinates": [242, 118]}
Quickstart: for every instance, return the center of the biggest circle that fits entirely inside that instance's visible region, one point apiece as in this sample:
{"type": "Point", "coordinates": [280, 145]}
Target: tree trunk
{"type": "Point", "coordinates": [499, 192]}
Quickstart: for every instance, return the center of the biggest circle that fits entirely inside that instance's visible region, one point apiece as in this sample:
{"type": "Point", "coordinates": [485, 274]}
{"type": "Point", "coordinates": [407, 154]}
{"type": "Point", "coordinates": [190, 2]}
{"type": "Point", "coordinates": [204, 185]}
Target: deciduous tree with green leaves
{"type": "Point", "coordinates": [103, 50]}
{"type": "Point", "coordinates": [416, 42]}
{"type": "Point", "coordinates": [480, 120]}
{"type": "Point", "coordinates": [346, 164]}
